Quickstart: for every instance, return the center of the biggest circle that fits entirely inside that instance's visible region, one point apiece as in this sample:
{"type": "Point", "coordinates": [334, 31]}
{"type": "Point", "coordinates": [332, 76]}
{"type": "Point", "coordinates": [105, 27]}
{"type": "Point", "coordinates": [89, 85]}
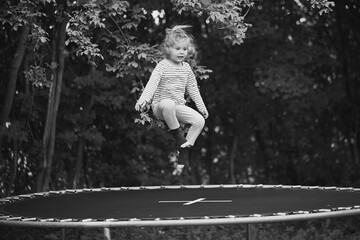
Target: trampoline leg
{"type": "Point", "coordinates": [249, 230]}
{"type": "Point", "coordinates": [107, 234]}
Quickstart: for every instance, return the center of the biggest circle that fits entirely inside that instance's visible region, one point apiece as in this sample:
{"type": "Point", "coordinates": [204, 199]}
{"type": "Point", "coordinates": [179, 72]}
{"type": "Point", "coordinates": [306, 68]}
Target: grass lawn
{"type": "Point", "coordinates": [345, 228]}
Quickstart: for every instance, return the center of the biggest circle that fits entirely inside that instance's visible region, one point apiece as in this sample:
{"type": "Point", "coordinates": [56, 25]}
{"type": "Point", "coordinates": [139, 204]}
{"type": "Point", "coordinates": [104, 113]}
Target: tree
{"type": "Point", "coordinates": [273, 92]}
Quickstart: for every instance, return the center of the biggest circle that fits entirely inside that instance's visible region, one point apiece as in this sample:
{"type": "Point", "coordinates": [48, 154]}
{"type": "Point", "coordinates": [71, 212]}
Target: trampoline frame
{"type": "Point", "coordinates": [18, 221]}
{"type": "Point", "coordinates": [205, 220]}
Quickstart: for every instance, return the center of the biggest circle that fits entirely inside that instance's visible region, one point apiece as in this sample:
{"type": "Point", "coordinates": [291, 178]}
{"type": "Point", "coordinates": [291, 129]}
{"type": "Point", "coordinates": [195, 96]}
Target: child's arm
{"type": "Point", "coordinates": [193, 90]}
{"type": "Point", "coordinates": [150, 87]}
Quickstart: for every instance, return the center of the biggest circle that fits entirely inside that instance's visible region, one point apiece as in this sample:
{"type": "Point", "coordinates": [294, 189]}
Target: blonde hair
{"type": "Point", "coordinates": [176, 34]}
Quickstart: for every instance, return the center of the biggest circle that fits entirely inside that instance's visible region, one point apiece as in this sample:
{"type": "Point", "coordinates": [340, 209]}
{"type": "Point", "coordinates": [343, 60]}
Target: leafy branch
{"type": "Point", "coordinates": [227, 16]}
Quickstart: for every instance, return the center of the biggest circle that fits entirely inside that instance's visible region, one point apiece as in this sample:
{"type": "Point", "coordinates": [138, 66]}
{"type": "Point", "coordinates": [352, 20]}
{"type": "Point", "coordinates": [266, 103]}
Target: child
{"type": "Point", "coordinates": [169, 81]}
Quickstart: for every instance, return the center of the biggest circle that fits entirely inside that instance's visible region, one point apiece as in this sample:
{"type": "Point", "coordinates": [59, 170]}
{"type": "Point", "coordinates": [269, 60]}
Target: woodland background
{"type": "Point", "coordinates": [280, 80]}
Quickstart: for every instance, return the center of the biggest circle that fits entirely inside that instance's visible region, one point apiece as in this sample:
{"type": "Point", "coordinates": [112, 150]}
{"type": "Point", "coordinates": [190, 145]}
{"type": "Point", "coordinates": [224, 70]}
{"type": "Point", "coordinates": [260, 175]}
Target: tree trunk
{"type": "Point", "coordinates": [263, 151]}
{"type": "Point", "coordinates": [78, 164]}
{"type": "Point", "coordinates": [232, 159]}
{"type": "Point", "coordinates": [14, 70]}
{"type": "Point", "coordinates": [80, 151]}
{"type": "Point", "coordinates": [350, 88]}
{"type": "Point", "coordinates": [210, 156]}
{"type": "Point", "coordinates": [53, 105]}
{"type": "Point", "coordinates": [13, 168]}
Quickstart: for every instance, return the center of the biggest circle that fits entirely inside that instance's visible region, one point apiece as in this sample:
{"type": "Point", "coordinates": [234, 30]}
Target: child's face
{"type": "Point", "coordinates": [179, 51]}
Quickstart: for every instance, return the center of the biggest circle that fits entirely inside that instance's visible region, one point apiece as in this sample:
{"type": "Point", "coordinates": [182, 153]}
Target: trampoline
{"type": "Point", "coordinates": [177, 205]}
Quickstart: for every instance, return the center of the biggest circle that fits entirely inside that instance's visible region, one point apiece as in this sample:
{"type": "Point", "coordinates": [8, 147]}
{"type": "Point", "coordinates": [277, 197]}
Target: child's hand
{"type": "Point", "coordinates": [205, 114]}
{"type": "Point", "coordinates": [139, 106]}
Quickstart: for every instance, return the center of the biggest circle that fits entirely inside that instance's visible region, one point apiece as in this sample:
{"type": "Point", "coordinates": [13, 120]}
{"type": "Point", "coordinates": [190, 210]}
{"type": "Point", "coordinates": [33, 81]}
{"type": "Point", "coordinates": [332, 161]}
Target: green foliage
{"type": "Point", "coordinates": [331, 229]}
{"type": "Point", "coordinates": [14, 132]}
{"type": "Point", "coordinates": [228, 16]}
{"type": "Point", "coordinates": [37, 36]}
{"type": "Point", "coordinates": [37, 76]}
{"type": "Point", "coordinates": [134, 61]}
{"type": "Point", "coordinates": [18, 15]}
{"type": "Point", "coordinates": [79, 26]}
{"type": "Point", "coordinates": [324, 6]}
{"type": "Point", "coordinates": [283, 103]}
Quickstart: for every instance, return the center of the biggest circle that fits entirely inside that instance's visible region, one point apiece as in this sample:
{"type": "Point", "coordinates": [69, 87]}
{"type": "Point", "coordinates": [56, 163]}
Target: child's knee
{"type": "Point", "coordinates": [200, 122]}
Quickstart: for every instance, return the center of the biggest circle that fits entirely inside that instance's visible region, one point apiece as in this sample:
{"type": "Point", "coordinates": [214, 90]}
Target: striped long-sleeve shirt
{"type": "Point", "coordinates": [169, 81]}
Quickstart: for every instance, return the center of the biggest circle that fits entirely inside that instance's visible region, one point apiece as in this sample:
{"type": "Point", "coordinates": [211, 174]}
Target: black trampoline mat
{"type": "Point", "coordinates": [165, 203]}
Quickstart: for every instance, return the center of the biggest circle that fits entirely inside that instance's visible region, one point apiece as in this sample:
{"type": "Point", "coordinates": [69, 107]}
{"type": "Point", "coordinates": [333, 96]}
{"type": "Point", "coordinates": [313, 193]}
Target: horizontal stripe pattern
{"type": "Point", "coordinates": [169, 81]}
